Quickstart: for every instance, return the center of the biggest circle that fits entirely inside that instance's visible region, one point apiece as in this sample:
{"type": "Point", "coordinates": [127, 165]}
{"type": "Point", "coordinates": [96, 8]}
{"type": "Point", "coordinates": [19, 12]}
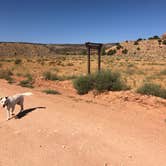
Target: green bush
{"type": "Point", "coordinates": [70, 77]}
{"type": "Point", "coordinates": [100, 81]}
{"type": "Point", "coordinates": [139, 39]}
{"type": "Point", "coordinates": [154, 37]}
{"type": "Point", "coordinates": [50, 91]}
{"type": "Point", "coordinates": [163, 72]}
{"type": "Point", "coordinates": [27, 82]}
{"type": "Point", "coordinates": [111, 52]}
{"type": "Point", "coordinates": [83, 52]}
{"type": "Point", "coordinates": [10, 80]}
{"type": "Point", "coordinates": [164, 42]}
{"type": "Point", "coordinates": [125, 51]}
{"type": "Point", "coordinates": [103, 52]}
{"type": "Point", "coordinates": [18, 61]}
{"type": "Point", "coordinates": [83, 84]}
{"type": "Point", "coordinates": [50, 76]}
{"type": "Point", "coordinates": [108, 81]}
{"type": "Point", "coordinates": [152, 89]}
{"type": "Point", "coordinates": [118, 47]}
{"type": "Point", "coordinates": [136, 43]}
{"type": "Point", "coordinates": [7, 75]}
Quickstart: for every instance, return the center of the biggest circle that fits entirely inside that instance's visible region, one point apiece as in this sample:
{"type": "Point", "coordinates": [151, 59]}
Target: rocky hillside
{"type": "Point", "coordinates": [153, 46]}
{"type": "Point", "coordinates": [31, 49]}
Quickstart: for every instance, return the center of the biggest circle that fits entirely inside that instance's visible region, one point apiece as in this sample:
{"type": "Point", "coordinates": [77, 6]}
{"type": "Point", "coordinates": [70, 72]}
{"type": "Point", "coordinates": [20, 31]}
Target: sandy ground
{"type": "Point", "coordinates": [78, 131]}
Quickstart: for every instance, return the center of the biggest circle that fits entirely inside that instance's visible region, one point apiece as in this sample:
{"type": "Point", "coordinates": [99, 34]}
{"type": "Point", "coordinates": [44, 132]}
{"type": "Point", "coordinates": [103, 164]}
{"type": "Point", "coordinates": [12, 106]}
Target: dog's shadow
{"type": "Point", "coordinates": [26, 111]}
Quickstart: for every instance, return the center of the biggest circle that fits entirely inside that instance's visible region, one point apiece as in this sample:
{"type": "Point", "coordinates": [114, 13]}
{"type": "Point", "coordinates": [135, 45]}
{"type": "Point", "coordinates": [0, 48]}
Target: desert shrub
{"type": "Point", "coordinates": [118, 47]}
{"type": "Point", "coordinates": [163, 72]}
{"type": "Point", "coordinates": [111, 52]}
{"type": "Point", "coordinates": [50, 76]}
{"type": "Point", "coordinates": [152, 89]}
{"type": "Point", "coordinates": [7, 75]}
{"type": "Point", "coordinates": [164, 42]}
{"type": "Point", "coordinates": [103, 52]}
{"type": "Point", "coordinates": [125, 51]}
{"type": "Point", "coordinates": [154, 37]}
{"type": "Point", "coordinates": [108, 81]}
{"type": "Point", "coordinates": [51, 91]}
{"type": "Point", "coordinates": [138, 48]}
{"type": "Point", "coordinates": [83, 52]}
{"type": "Point", "coordinates": [136, 43]}
{"type": "Point", "coordinates": [70, 64]}
{"type": "Point", "coordinates": [83, 84]}
{"type": "Point", "coordinates": [28, 82]}
{"type": "Point", "coordinates": [100, 81]}
{"type": "Point", "coordinates": [130, 71]}
{"type": "Point", "coordinates": [139, 39]}
{"type": "Point", "coordinates": [117, 44]}
{"type": "Point", "coordinates": [70, 77]}
{"type": "Point", "coordinates": [18, 61]}
{"type": "Point", "coordinates": [19, 74]}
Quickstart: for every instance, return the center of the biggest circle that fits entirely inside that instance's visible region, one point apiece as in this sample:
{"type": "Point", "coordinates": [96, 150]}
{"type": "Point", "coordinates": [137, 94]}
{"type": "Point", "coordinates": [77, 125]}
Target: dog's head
{"type": "Point", "coordinates": [4, 101]}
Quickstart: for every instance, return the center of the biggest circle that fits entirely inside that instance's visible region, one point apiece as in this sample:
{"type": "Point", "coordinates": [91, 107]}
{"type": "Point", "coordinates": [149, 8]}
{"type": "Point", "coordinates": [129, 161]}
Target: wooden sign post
{"type": "Point", "coordinates": [97, 46]}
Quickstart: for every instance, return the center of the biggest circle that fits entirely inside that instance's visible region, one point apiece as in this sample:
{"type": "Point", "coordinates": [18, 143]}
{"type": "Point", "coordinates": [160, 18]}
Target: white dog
{"type": "Point", "coordinates": [10, 102]}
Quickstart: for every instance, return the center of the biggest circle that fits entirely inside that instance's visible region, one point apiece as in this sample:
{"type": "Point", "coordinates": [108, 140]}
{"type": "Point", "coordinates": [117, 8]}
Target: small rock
{"type": "Point", "coordinates": [130, 156]}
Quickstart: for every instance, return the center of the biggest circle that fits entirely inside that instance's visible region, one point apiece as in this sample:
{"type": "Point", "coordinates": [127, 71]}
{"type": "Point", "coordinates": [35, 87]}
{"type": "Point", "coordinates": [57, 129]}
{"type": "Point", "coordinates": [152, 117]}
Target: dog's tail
{"type": "Point", "coordinates": [27, 94]}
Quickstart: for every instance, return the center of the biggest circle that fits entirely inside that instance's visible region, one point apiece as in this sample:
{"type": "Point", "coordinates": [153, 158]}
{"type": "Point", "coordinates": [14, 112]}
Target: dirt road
{"type": "Point", "coordinates": [74, 132]}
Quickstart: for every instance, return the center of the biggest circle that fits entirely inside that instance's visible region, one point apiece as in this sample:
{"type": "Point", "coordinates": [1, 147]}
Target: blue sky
{"type": "Point", "coordinates": [78, 21]}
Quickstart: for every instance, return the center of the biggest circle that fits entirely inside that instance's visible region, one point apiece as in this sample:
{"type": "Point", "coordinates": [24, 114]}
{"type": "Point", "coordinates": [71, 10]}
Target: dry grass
{"type": "Point", "coordinates": [135, 70]}
{"type": "Point", "coordinates": [136, 67]}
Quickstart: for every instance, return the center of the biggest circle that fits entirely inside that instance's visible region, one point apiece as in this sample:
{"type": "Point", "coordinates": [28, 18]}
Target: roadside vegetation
{"type": "Point", "coordinates": [100, 81]}
{"type": "Point", "coordinates": [51, 91]}
{"type": "Point", "coordinates": [28, 82]}
{"type": "Point", "coordinates": [50, 76]}
{"type": "Point", "coordinates": [7, 75]}
{"type": "Point", "coordinates": [137, 62]}
{"type": "Point", "coordinates": [152, 89]}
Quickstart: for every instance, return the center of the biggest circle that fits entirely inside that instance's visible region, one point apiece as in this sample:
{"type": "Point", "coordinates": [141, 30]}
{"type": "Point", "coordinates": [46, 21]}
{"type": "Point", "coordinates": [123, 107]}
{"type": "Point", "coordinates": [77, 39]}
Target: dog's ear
{"type": "Point", "coordinates": [6, 102]}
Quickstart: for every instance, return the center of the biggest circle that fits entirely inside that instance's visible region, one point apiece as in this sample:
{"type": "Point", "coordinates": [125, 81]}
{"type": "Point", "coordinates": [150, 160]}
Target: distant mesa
{"type": "Point", "coordinates": [163, 36]}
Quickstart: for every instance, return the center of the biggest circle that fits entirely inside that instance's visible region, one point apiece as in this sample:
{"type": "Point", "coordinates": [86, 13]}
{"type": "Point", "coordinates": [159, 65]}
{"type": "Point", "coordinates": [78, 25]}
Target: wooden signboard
{"type": "Point", "coordinates": [97, 46]}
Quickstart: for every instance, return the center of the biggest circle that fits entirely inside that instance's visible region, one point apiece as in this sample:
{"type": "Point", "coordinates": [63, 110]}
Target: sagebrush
{"type": "Point", "coordinates": [100, 81]}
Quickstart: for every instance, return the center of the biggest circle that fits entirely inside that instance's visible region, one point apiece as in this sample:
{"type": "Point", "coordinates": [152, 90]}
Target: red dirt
{"type": "Point", "coordinates": [113, 129]}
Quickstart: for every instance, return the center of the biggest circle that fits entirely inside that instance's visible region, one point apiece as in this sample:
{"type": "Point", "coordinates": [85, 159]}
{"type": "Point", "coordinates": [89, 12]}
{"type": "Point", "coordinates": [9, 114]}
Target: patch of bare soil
{"type": "Point", "coordinates": [110, 129]}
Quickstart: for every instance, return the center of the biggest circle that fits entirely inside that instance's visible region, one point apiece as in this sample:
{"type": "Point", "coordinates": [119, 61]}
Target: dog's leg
{"type": "Point", "coordinates": [22, 107]}
{"type": "Point", "coordinates": [12, 111]}
{"type": "Point", "coordinates": [8, 114]}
